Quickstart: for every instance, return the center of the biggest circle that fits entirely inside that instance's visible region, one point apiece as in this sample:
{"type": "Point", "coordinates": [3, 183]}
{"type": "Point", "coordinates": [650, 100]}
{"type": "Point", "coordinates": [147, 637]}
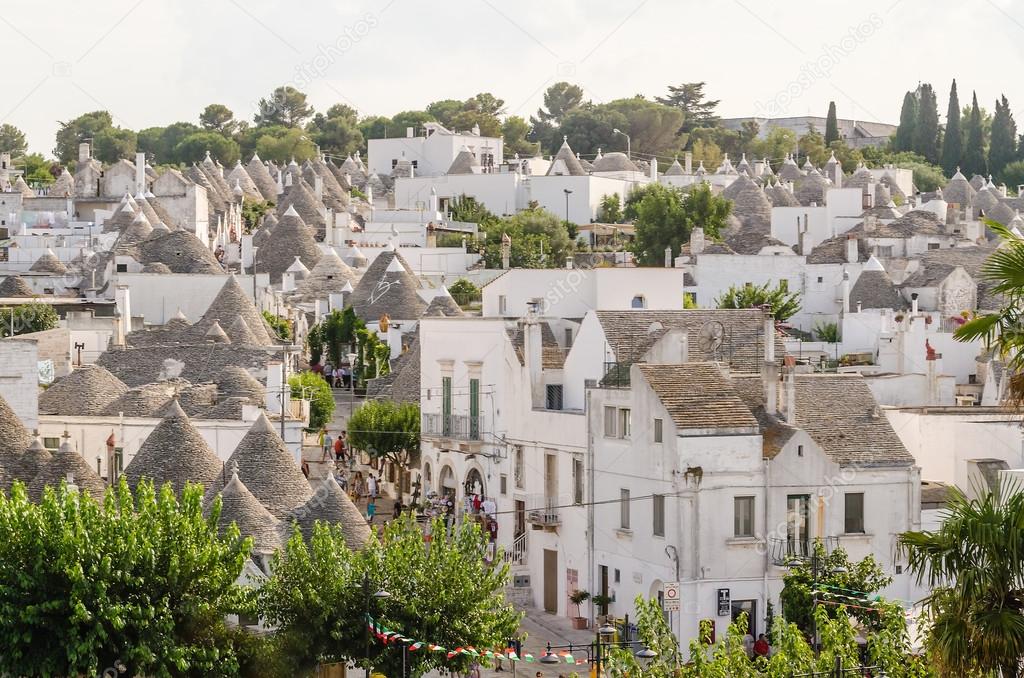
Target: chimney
{"type": "Point", "coordinates": [688, 162]}
{"type": "Point", "coordinates": [791, 397]}
{"type": "Point", "coordinates": [84, 151]}
{"type": "Point", "coordinates": [846, 292]}
{"type": "Point", "coordinates": [913, 303]}
{"type": "Point", "coordinates": [770, 369]}
{"type": "Point", "coordinates": [433, 202]}
{"type": "Point", "coordinates": [533, 348]}
{"type": "Point", "coordinates": [668, 257]}
{"type": "Point", "coordinates": [409, 132]}
{"type": "Point", "coordinates": [275, 382]}
{"type": "Point", "coordinates": [506, 251]}
{"type": "Point", "coordinates": [837, 176]}
{"type": "Point", "coordinates": [123, 300]}
{"type": "Point", "coordinates": [140, 173]}
{"type": "Point", "coordinates": [318, 187]}
{"type": "Point", "coordinates": [280, 181]}
{"type": "Point", "coordinates": [328, 223]}
{"type": "Point", "coordinates": [287, 179]}
{"type": "Point", "coordinates": [697, 241]}
{"type": "Point", "coordinates": [654, 169]}
{"type": "Point", "coordinates": [247, 252]}
{"type": "Point", "coordinates": [568, 262]}
{"type": "Point", "coordinates": [287, 281]}
{"type": "Point", "coordinates": [805, 241]}
{"type": "Point", "coordinates": [852, 251]}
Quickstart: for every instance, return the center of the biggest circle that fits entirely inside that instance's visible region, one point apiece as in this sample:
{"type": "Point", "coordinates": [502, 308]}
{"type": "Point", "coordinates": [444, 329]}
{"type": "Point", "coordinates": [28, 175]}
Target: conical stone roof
{"type": "Point", "coordinates": [330, 505]}
{"type": "Point", "coordinates": [959, 190]}
{"type": "Point", "coordinates": [180, 251]}
{"type": "Point", "coordinates": [675, 169]}
{"type": "Point", "coordinates": [811, 188]}
{"type": "Point", "coordinates": [147, 400]}
{"type": "Point", "coordinates": [67, 462]}
{"type": "Point", "coordinates": [300, 197]}
{"type": "Point", "coordinates": [48, 263]}
{"type": "Point", "coordinates": [229, 304]}
{"type": "Point", "coordinates": [874, 288]}
{"type": "Point", "coordinates": [238, 176]}
{"type": "Point", "coordinates": [443, 305]}
{"type": "Point", "coordinates": [391, 291]}
{"type": "Point", "coordinates": [33, 461]}
{"type": "Point", "coordinates": [239, 506]}
{"type": "Point", "coordinates": [235, 381]}
{"type": "Point", "coordinates": [289, 239]}
{"type": "Point", "coordinates": [15, 286]}
{"type": "Point", "coordinates": [260, 176]}
{"type": "Point", "coordinates": [329, 276]}
{"type": "Point", "coordinates": [216, 334]}
{"type": "Point", "coordinates": [175, 453]}
{"type": "Point", "coordinates": [781, 196]}
{"type": "Point", "coordinates": [564, 162]}
{"type": "Point", "coordinates": [14, 440]}
{"type": "Point", "coordinates": [269, 470]}
{"type": "Point", "coordinates": [87, 391]}
{"type": "Point", "coordinates": [750, 205]}
{"type": "Point", "coordinates": [239, 333]}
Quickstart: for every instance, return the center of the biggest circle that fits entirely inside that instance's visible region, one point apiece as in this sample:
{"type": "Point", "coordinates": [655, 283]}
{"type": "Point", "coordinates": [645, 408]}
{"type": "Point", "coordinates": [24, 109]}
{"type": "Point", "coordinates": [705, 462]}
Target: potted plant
{"type": "Point", "coordinates": [601, 602]}
{"type": "Point", "coordinates": [577, 598]}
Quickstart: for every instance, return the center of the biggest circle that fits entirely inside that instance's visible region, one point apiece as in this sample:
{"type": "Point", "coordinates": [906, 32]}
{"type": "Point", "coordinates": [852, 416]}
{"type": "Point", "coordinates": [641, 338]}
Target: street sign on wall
{"type": "Point", "coordinates": [724, 603]}
{"type": "Point", "coordinates": [671, 597]}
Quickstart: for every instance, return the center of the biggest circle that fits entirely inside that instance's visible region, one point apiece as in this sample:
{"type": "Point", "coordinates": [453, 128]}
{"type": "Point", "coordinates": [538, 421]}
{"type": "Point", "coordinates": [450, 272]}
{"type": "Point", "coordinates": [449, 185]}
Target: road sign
{"type": "Point", "coordinates": [724, 603]}
{"type": "Point", "coordinates": [671, 597]}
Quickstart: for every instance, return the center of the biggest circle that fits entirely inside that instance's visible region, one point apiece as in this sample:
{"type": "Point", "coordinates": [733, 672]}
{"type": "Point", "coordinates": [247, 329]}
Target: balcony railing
{"type": "Point", "coordinates": [545, 510]}
{"type": "Point", "coordinates": [454, 426]}
{"type": "Point", "coordinates": [784, 550]}
{"type": "Point", "coordinates": [516, 553]}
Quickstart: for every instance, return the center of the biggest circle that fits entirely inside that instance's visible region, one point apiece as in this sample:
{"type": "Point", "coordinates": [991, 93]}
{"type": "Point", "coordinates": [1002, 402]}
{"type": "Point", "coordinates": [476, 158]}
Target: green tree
{"type": "Point", "coordinates": [160, 143]}
{"type": "Point", "coordinates": [839, 579]}
{"type": "Point", "coordinates": [143, 582]}
{"type": "Point", "coordinates": [906, 131]}
{"type": "Point", "coordinates": [339, 134]}
{"type": "Point", "coordinates": [321, 400]}
{"type": "Point", "coordinates": [27, 318]}
{"type": "Point", "coordinates": [38, 170]}
{"type": "Point", "coordinates": [653, 127]}
{"type": "Point", "coordinates": [698, 110]}
{"type": "Point", "coordinates": [281, 144]}
{"type": "Point", "coordinates": [972, 563]}
{"type": "Point", "coordinates": [784, 304]}
{"type": "Point", "coordinates": [1003, 329]}
{"type": "Point", "coordinates": [445, 110]}
{"type": "Point", "coordinates": [285, 106]}
{"type": "Point", "coordinates": [386, 430]}
{"type": "Point", "coordinates": [444, 593]}
{"type": "Point", "coordinates": [374, 127]}
{"type": "Point", "coordinates": [974, 150]}
{"type": "Point", "coordinates": [775, 144]}
{"type": "Point", "coordinates": [610, 209]}
{"type": "Point", "coordinates": [218, 118]}
{"type": "Point", "coordinates": [514, 132]}
{"type": "Point", "coordinates": [539, 240]}
{"type": "Point", "coordinates": [952, 139]}
{"type": "Point", "coordinates": [559, 99]}
{"type": "Point", "coordinates": [253, 212]}
{"type": "Point", "coordinates": [194, 147]}
{"type": "Point", "coordinates": [1002, 147]}
{"type": "Point", "coordinates": [73, 132]}
{"type": "Point", "coordinates": [812, 145]}
{"type": "Point", "coordinates": [468, 209]}
{"type": "Point", "coordinates": [338, 334]}
{"type": "Point", "coordinates": [113, 143]}
{"type": "Point", "coordinates": [282, 328]}
{"type": "Point", "coordinates": [464, 291]}
{"type": "Point", "coordinates": [589, 127]}
{"type": "Point", "coordinates": [414, 119]}
{"type": "Point", "coordinates": [926, 127]}
{"type": "Point", "coordinates": [831, 124]}
{"type": "Point", "coordinates": [12, 140]}
{"type": "Point", "coordinates": [665, 216]}
{"type": "Point", "coordinates": [1013, 174]}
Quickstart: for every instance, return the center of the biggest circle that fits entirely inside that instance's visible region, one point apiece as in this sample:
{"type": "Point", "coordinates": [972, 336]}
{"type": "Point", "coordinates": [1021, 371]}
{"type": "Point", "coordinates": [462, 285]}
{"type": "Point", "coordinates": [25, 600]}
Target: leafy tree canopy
{"type": "Point", "coordinates": [664, 217]}
{"type": "Point", "coordinates": [12, 140]}
{"type": "Point", "coordinates": [285, 106]}
{"type": "Point", "coordinates": [218, 118]}
{"type": "Point", "coordinates": [312, 386]}
{"type": "Point", "coordinates": [386, 430]}
{"type": "Point", "coordinates": [784, 305]}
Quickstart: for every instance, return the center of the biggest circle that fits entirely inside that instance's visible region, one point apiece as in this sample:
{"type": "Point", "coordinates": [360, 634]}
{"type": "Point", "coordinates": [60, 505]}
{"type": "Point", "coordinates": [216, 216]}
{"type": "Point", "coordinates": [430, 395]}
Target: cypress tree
{"type": "Point", "coordinates": [974, 150]}
{"type": "Point", "coordinates": [831, 124]}
{"type": "Point", "coordinates": [1002, 146]}
{"type": "Point", "coordinates": [926, 128]}
{"type": "Point", "coordinates": [904, 140]}
{"type": "Point", "coordinates": [952, 140]}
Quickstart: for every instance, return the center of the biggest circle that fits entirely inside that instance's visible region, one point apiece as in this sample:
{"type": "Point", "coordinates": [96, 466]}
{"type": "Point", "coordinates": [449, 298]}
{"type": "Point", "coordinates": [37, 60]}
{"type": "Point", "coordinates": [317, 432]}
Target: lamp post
{"type": "Point", "coordinates": [351, 383]}
{"type": "Point", "coordinates": [629, 143]}
{"type": "Point", "coordinates": [593, 651]}
{"type": "Point", "coordinates": [567, 194]}
{"type": "Point", "coordinates": [368, 597]}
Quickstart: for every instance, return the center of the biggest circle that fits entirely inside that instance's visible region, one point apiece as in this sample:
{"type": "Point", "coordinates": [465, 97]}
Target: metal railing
{"type": "Point", "coordinates": [616, 375]}
{"type": "Point", "coordinates": [785, 550]}
{"type": "Point", "coordinates": [516, 553]}
{"type": "Point", "coordinates": [542, 509]}
{"type": "Point", "coordinates": [455, 426]}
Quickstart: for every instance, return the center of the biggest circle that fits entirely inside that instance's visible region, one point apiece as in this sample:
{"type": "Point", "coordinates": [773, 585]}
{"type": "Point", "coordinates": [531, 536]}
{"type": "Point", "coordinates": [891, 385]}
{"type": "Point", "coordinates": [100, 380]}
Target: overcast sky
{"type": "Point", "coordinates": [153, 62]}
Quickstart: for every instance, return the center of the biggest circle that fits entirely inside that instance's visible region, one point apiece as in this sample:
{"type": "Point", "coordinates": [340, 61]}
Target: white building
{"type": "Point", "coordinates": [432, 154]}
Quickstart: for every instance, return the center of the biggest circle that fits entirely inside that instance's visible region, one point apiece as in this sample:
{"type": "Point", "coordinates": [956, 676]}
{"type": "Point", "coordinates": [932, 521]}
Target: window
{"type": "Point", "coordinates": [884, 252]}
{"type": "Point", "coordinates": [122, 268]}
{"type": "Point", "coordinates": [502, 304]}
{"type": "Point", "coordinates": [519, 467]}
{"type": "Point", "coordinates": [446, 406]}
{"type": "Point", "coordinates": [933, 245]}
{"type": "Point", "coordinates": [568, 338]}
{"type": "Point", "coordinates": [618, 576]}
{"type": "Point", "coordinates": [624, 509]}
{"type": "Point", "coordinates": [577, 481]}
{"type": "Point", "coordinates": [689, 300]}
{"type": "Point", "coordinates": [657, 430]}
{"type": "Point", "coordinates": [743, 517]}
{"type": "Point", "coordinates": [624, 419]}
{"type": "Point", "coordinates": [51, 443]}
{"type": "Point", "coordinates": [799, 450]}
{"type": "Point", "coordinates": [474, 409]}
{"type": "Point", "coordinates": [854, 523]}
{"type": "Point", "coordinates": [554, 397]}
{"type": "Point", "coordinates": [821, 279]}
{"type": "Point", "coordinates": [504, 484]}
{"type": "Point", "coordinates": [609, 422]}
{"type": "Point", "coordinates": [658, 528]}
{"type": "Point", "coordinates": [638, 302]}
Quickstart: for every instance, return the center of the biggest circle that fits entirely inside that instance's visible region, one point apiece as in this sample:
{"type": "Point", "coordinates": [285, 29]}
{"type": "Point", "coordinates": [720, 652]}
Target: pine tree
{"type": "Point", "coordinates": [926, 127]}
{"type": "Point", "coordinates": [831, 124]}
{"type": "Point", "coordinates": [952, 141]}
{"type": "Point", "coordinates": [974, 149]}
{"type": "Point", "coordinates": [904, 140]}
{"type": "Point", "coordinates": [1002, 147]}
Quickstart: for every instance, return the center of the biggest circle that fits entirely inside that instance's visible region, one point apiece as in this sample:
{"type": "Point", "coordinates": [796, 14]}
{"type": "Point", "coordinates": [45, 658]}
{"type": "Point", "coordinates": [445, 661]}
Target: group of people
{"type": "Point", "coordinates": [336, 376]}
{"type": "Point", "coordinates": [757, 648]}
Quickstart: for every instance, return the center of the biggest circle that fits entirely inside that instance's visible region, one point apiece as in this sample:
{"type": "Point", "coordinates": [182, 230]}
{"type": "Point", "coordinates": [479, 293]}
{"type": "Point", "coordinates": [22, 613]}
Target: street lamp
{"type": "Point", "coordinates": [567, 194]}
{"type": "Point", "coordinates": [379, 595]}
{"type": "Point", "coordinates": [645, 655]}
{"type": "Point", "coordinates": [629, 146]}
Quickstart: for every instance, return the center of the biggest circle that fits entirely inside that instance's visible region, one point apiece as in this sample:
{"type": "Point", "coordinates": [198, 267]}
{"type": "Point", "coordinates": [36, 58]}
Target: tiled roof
{"type": "Point", "coordinates": [842, 416]}
{"type": "Point", "coordinates": [269, 470]}
{"type": "Point", "coordinates": [552, 355]}
{"type": "Point", "coordinates": [833, 251]}
{"type": "Point", "coordinates": [199, 362]}
{"type": "Point", "coordinates": [630, 334]}
{"type": "Point", "coordinates": [775, 433]}
{"type": "Point", "coordinates": [698, 396]}
{"type": "Point", "coordinates": [915, 222]}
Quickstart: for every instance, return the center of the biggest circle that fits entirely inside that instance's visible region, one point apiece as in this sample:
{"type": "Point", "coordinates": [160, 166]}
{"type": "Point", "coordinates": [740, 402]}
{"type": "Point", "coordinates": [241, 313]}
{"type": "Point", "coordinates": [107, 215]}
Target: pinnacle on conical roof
{"type": "Point", "coordinates": [463, 163]}
{"type": "Point", "coordinates": [332, 506]}
{"type": "Point", "coordinates": [239, 333]}
{"type": "Point", "coordinates": [874, 288]}
{"type": "Point", "coordinates": [175, 453]}
{"type": "Point", "coordinates": [33, 460]}
{"type": "Point", "coordinates": [239, 506]}
{"type": "Point", "coordinates": [329, 276]}
{"type": "Point", "coordinates": [268, 469]}
{"type": "Point", "coordinates": [388, 287]}
{"type": "Point", "coordinates": [675, 169]}
{"type": "Point", "coordinates": [66, 465]}
{"type": "Point", "coordinates": [216, 334]}
{"type": "Point", "coordinates": [443, 305]}
{"type": "Point", "coordinates": [261, 178]}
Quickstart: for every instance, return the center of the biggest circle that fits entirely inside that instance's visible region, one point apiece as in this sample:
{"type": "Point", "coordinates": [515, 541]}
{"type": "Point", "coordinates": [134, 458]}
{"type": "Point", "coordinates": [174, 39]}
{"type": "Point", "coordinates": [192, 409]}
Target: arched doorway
{"type": "Point", "coordinates": [446, 481]}
{"type": "Point", "coordinates": [474, 483]}
{"type": "Point", "coordinates": [428, 479]}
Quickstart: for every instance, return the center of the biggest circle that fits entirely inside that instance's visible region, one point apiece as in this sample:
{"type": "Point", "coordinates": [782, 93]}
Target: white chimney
{"type": "Point", "coordinates": [688, 162]}
{"type": "Point", "coordinates": [140, 173]}
{"type": "Point", "coordinates": [280, 181]}
{"type": "Point", "coordinates": [791, 397]}
{"type": "Point", "coordinates": [287, 281]}
{"type": "Point", "coordinates": [328, 226]}
{"type": "Point", "coordinates": [668, 257]}
{"type": "Point", "coordinates": [913, 303]}
{"type": "Point", "coordinates": [697, 241]}
{"type": "Point", "coordinates": [275, 381]}
{"type": "Point", "coordinates": [533, 348]}
{"type": "Point", "coordinates": [123, 300]}
{"type": "Point", "coordinates": [852, 251]}
{"type": "Point", "coordinates": [84, 151]}
{"type": "Point", "coordinates": [846, 292]}
{"type": "Point", "coordinates": [434, 203]}
{"type": "Point", "coordinates": [409, 132]}
{"type": "Point", "coordinates": [654, 169]}
{"type": "Point", "coordinates": [318, 187]}
{"type": "Point", "coordinates": [248, 253]}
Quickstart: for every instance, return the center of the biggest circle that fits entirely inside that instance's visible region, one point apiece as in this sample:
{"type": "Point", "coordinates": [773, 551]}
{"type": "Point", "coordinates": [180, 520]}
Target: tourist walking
{"type": "Point", "coordinates": [371, 487]}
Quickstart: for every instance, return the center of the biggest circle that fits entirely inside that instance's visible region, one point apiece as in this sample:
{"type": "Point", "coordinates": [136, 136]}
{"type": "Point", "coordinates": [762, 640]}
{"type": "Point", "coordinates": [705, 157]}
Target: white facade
{"type": "Point", "coordinates": [433, 154]}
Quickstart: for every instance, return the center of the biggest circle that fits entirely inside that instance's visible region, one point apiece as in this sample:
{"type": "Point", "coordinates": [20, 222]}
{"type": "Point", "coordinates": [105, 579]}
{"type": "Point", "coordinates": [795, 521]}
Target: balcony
{"type": "Point", "coordinates": [545, 510]}
{"type": "Point", "coordinates": [453, 427]}
{"type": "Point", "coordinates": [784, 551]}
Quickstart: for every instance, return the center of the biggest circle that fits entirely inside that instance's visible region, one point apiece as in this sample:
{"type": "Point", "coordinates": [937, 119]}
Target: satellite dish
{"type": "Point", "coordinates": [711, 336]}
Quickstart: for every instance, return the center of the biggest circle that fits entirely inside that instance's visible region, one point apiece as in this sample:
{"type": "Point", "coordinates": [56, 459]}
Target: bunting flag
{"type": "Point", "coordinates": [387, 636]}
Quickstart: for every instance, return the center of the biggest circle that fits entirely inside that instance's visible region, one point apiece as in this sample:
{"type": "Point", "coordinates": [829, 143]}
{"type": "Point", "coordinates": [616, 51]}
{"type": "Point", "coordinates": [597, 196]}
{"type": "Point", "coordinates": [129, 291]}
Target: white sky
{"type": "Point", "coordinates": [153, 62]}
